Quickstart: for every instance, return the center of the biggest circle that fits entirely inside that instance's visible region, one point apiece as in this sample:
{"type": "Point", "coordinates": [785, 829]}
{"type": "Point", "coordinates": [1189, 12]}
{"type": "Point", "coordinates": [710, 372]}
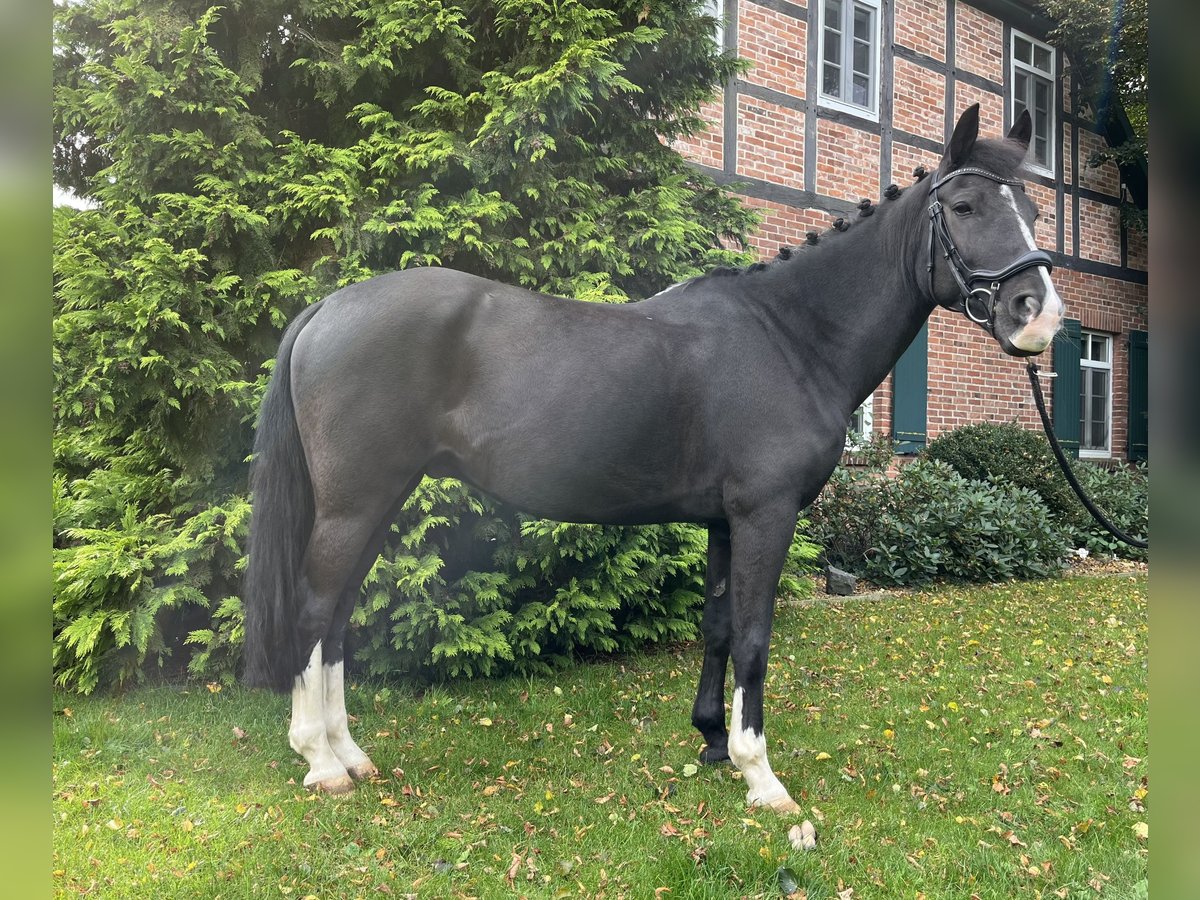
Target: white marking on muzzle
{"type": "Point", "coordinates": [1036, 334]}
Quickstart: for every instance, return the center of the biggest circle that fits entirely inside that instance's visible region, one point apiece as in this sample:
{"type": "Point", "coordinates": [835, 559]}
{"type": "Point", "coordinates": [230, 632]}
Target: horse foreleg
{"type": "Point", "coordinates": [759, 548]}
{"type": "Point", "coordinates": [708, 712]}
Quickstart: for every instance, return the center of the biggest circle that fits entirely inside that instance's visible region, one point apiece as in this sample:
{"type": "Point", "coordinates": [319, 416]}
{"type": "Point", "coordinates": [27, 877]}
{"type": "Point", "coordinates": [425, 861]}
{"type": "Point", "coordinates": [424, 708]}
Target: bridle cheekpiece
{"type": "Point", "coordinates": [965, 276]}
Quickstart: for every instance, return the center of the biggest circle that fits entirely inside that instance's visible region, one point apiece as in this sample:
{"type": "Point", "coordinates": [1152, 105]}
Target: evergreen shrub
{"type": "Point", "coordinates": [1009, 452]}
{"type": "Point", "coordinates": [244, 160]}
{"type": "Point", "coordinates": [1123, 494]}
{"type": "Point", "coordinates": [937, 524]}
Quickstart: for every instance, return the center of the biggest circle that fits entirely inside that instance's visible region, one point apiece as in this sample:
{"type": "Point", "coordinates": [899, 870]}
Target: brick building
{"type": "Point", "coordinates": [844, 97]}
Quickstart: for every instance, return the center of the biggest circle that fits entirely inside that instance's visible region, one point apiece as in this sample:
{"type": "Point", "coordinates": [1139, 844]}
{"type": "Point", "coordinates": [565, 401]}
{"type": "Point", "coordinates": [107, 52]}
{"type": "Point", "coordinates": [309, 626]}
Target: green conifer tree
{"type": "Point", "coordinates": [244, 160]}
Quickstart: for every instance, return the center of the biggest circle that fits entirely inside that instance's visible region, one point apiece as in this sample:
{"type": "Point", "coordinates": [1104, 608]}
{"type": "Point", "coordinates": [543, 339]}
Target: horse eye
{"type": "Point", "coordinates": [962, 209]}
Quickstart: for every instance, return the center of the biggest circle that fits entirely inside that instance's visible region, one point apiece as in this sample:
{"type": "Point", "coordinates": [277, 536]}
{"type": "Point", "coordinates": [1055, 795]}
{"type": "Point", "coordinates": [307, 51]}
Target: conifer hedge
{"type": "Point", "coordinates": [245, 159]}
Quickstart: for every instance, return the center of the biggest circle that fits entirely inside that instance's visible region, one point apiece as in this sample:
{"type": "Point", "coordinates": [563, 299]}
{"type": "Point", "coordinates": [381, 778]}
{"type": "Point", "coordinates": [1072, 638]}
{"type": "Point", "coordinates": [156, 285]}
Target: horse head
{"type": "Point", "coordinates": [983, 260]}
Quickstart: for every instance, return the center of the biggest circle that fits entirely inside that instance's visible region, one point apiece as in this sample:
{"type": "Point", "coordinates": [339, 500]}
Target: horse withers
{"type": "Point", "coordinates": [721, 401]}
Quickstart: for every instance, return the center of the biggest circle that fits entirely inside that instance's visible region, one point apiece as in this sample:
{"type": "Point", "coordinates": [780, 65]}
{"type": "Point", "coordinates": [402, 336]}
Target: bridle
{"type": "Point", "coordinates": [963, 274]}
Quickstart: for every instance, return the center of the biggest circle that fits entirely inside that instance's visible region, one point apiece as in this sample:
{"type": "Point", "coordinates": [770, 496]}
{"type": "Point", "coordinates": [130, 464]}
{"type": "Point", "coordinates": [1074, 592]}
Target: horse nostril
{"type": "Point", "coordinates": [1028, 307]}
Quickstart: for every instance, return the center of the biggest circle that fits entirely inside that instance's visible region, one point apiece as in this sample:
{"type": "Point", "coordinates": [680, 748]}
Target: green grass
{"type": "Point", "coordinates": [952, 743]}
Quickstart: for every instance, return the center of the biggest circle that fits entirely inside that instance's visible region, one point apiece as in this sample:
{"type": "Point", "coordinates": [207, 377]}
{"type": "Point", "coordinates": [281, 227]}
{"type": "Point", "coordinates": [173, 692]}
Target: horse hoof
{"type": "Point", "coordinates": [714, 756]}
{"type": "Point", "coordinates": [363, 771]}
{"type": "Point", "coordinates": [335, 787]}
{"type": "Point", "coordinates": [784, 805]}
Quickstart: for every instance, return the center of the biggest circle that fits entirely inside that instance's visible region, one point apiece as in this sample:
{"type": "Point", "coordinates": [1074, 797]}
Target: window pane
{"type": "Point", "coordinates": [1100, 410]}
{"type": "Point", "coordinates": [1041, 95]}
{"type": "Point", "coordinates": [833, 46]}
{"type": "Point", "coordinates": [1023, 49]}
{"type": "Point", "coordinates": [833, 14]}
{"type": "Point", "coordinates": [862, 58]}
{"type": "Point", "coordinates": [1099, 348]}
{"type": "Point", "coordinates": [862, 91]}
{"type": "Point", "coordinates": [832, 83]}
{"type": "Point", "coordinates": [1041, 58]}
{"type": "Point", "coordinates": [1021, 90]}
{"type": "Point", "coordinates": [862, 23]}
{"type": "Point", "coordinates": [1085, 432]}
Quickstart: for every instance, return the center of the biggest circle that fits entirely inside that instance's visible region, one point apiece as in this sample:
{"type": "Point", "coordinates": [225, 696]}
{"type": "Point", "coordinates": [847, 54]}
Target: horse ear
{"type": "Point", "coordinates": [966, 132]}
{"type": "Point", "coordinates": [1022, 129]}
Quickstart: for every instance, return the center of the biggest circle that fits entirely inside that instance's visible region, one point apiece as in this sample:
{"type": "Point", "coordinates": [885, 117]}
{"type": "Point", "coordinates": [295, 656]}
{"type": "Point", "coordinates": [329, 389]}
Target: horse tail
{"type": "Point", "coordinates": [280, 526]}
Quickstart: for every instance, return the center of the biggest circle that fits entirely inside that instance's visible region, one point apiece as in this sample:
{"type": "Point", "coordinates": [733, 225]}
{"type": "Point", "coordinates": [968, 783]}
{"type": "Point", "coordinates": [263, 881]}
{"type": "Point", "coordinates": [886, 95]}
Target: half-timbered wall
{"type": "Point", "coordinates": [802, 163]}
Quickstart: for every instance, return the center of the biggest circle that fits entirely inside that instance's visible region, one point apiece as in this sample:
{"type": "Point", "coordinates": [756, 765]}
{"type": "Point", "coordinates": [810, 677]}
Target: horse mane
{"type": "Point", "coordinates": [1003, 156]}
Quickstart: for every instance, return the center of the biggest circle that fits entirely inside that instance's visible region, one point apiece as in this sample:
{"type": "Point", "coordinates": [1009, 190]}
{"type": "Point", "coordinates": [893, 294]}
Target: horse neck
{"type": "Point", "coordinates": [855, 301]}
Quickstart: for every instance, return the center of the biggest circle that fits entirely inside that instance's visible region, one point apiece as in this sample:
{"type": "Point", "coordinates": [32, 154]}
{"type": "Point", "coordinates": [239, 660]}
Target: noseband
{"type": "Point", "coordinates": [965, 276]}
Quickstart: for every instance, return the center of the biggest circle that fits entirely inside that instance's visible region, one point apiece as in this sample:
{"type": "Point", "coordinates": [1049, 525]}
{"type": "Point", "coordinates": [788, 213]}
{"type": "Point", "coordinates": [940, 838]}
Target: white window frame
{"type": "Point", "coordinates": [1015, 66]}
{"type": "Point", "coordinates": [867, 414]}
{"type": "Point", "coordinates": [1086, 337]}
{"type": "Point", "coordinates": [866, 112]}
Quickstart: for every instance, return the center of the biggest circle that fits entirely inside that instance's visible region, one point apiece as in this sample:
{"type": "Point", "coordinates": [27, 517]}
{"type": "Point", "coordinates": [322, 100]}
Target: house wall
{"type": "Point", "coordinates": [802, 164]}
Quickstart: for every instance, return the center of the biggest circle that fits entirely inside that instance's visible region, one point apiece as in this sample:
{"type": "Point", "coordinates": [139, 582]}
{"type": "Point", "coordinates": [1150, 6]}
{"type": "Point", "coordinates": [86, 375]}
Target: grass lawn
{"type": "Point", "coordinates": [984, 742]}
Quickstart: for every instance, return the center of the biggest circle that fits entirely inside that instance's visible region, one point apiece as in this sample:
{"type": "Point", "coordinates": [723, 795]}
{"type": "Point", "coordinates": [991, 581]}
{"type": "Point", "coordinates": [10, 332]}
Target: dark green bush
{"type": "Point", "coordinates": [1007, 451]}
{"type": "Point", "coordinates": [844, 519]}
{"type": "Point", "coordinates": [938, 524]}
{"type": "Point", "coordinates": [1123, 494]}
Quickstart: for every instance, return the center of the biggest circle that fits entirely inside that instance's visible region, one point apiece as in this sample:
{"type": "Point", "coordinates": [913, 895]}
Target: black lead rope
{"type": "Point", "coordinates": [1066, 466]}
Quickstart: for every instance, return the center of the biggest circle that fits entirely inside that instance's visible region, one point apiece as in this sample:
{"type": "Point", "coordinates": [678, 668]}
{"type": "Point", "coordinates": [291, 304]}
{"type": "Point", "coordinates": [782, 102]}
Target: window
{"type": "Point", "coordinates": [716, 9]}
{"type": "Point", "coordinates": [858, 432]}
{"type": "Point", "coordinates": [1095, 395]}
{"type": "Point", "coordinates": [1033, 90]}
{"type": "Point", "coordinates": [849, 56]}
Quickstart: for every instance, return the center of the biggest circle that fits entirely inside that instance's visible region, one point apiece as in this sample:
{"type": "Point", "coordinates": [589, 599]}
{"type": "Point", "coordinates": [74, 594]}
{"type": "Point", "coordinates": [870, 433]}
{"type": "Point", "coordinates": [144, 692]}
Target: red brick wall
{"type": "Point", "coordinates": [1045, 228]}
{"type": "Point", "coordinates": [905, 160]}
{"type": "Point", "coordinates": [708, 146]}
{"type": "Point", "coordinates": [1068, 162]}
{"type": "Point", "coordinates": [847, 162]}
{"type": "Point", "coordinates": [770, 142]}
{"type": "Point", "coordinates": [1068, 218]}
{"type": "Point", "coordinates": [776, 45]}
{"type": "Point", "coordinates": [1105, 178]}
{"type": "Point", "coordinates": [991, 107]}
{"type": "Point", "coordinates": [919, 98]}
{"type": "Point", "coordinates": [1099, 231]}
{"type": "Point", "coordinates": [978, 42]}
{"type": "Point", "coordinates": [1138, 254]}
{"type": "Point", "coordinates": [784, 225]}
{"type": "Point", "coordinates": [921, 26]}
{"type": "Point", "coordinates": [971, 379]}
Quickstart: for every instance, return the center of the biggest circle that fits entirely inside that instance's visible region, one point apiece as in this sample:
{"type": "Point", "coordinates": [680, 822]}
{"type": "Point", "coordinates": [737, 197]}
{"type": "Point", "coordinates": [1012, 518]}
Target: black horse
{"type": "Point", "coordinates": [723, 401]}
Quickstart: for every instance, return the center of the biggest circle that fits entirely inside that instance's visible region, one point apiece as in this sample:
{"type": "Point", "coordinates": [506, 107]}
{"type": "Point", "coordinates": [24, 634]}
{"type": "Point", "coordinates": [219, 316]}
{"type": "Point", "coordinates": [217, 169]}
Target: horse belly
{"type": "Point", "coordinates": [580, 469]}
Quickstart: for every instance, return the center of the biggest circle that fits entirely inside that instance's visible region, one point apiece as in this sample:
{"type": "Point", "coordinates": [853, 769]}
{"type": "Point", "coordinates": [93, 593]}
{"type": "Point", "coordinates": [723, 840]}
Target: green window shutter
{"type": "Point", "coordinates": [1139, 418]}
{"type": "Point", "coordinates": [1067, 386]}
{"type": "Point", "coordinates": [910, 392]}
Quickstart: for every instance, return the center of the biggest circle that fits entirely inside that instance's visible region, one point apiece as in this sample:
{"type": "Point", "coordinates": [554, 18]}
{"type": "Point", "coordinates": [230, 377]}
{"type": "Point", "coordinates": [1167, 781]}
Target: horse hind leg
{"type": "Point", "coordinates": [337, 722]}
{"type": "Point", "coordinates": [335, 551]}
